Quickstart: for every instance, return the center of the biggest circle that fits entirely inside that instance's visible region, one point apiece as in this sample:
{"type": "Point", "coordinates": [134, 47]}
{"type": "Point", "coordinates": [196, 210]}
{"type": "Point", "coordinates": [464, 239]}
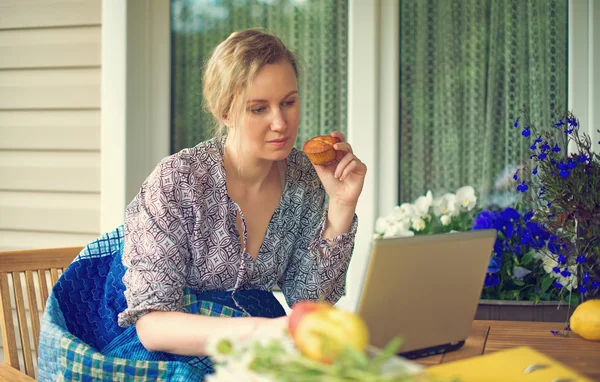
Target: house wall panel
{"type": "Point", "coordinates": [56, 47]}
{"type": "Point", "coordinates": [50, 89]}
{"type": "Point", "coordinates": [50, 130]}
{"type": "Point", "coordinates": [49, 13]}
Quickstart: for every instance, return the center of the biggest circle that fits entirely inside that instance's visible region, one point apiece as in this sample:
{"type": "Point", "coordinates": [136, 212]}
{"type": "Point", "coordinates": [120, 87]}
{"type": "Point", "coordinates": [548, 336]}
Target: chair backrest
{"type": "Point", "coordinates": [33, 266]}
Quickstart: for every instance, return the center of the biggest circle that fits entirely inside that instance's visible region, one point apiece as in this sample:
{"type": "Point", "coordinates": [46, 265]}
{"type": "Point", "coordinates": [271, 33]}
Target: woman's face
{"type": "Point", "coordinates": [271, 116]}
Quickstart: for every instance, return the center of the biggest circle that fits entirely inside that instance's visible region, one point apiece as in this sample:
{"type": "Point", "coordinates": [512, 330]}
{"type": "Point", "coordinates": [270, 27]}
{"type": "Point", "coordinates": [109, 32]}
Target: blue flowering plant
{"type": "Point", "coordinates": [561, 187]}
{"type": "Point", "coordinates": [516, 269]}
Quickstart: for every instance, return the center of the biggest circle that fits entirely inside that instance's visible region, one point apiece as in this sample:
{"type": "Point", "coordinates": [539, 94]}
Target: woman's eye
{"type": "Point", "coordinates": [289, 103]}
{"type": "Point", "coordinates": [258, 110]}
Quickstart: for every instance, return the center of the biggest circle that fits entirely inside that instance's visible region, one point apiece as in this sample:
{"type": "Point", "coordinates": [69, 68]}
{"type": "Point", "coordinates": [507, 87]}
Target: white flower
{"type": "Point", "coordinates": [399, 229]}
{"type": "Point", "coordinates": [406, 211]}
{"type": "Point", "coordinates": [569, 282]}
{"type": "Point", "coordinates": [444, 205]}
{"type": "Point", "coordinates": [419, 224]}
{"type": "Point", "coordinates": [423, 203]}
{"type": "Point", "coordinates": [465, 198]}
{"type": "Point", "coordinates": [445, 219]}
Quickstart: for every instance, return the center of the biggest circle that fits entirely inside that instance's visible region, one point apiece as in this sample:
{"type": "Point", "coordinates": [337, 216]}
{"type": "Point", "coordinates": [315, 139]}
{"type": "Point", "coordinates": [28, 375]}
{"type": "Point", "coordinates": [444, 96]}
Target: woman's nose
{"type": "Point", "coordinates": [279, 123]}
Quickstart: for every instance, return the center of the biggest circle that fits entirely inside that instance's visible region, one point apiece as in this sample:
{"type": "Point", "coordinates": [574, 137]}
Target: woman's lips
{"type": "Point", "coordinates": [279, 142]}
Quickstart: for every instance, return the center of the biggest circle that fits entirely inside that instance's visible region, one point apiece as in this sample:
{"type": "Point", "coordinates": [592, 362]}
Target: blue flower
{"type": "Point", "coordinates": [533, 147]}
{"type": "Point", "coordinates": [580, 259]}
{"type": "Point", "coordinates": [565, 273]}
{"type": "Point", "coordinates": [545, 146]}
{"type": "Point", "coordinates": [556, 149]}
{"type": "Point", "coordinates": [528, 216]}
{"type": "Point", "coordinates": [536, 235]}
{"type": "Point", "coordinates": [553, 245]}
{"type": "Point", "coordinates": [557, 285]}
{"type": "Point", "coordinates": [571, 165]}
{"type": "Point", "coordinates": [561, 259]}
{"type": "Point", "coordinates": [522, 187]}
{"type": "Point", "coordinates": [586, 277]}
{"type": "Point", "coordinates": [582, 158]}
{"type": "Point", "coordinates": [556, 270]}
{"type": "Point", "coordinates": [526, 133]}
{"type": "Point", "coordinates": [485, 220]}
{"type": "Point", "coordinates": [595, 285]}
{"type": "Point", "coordinates": [494, 264]}
{"type": "Point", "coordinates": [516, 124]}
{"type": "Point", "coordinates": [499, 248]}
{"type": "Point", "coordinates": [568, 131]}
{"type": "Point", "coordinates": [572, 122]}
{"type": "Point", "coordinates": [491, 280]}
{"type": "Point", "coordinates": [538, 139]}
{"type": "Point", "coordinates": [549, 204]}
{"type": "Point", "coordinates": [564, 174]}
{"type": "Point", "coordinates": [510, 214]}
{"type": "Point", "coordinates": [516, 175]}
{"type": "Point", "coordinates": [542, 156]}
{"type": "Point", "coordinates": [582, 289]}
{"type": "Point", "coordinates": [559, 123]}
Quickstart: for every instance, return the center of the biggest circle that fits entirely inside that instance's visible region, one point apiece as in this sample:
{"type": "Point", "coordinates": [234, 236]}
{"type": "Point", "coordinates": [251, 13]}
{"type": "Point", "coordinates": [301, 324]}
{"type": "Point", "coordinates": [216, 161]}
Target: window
{"type": "Point", "coordinates": [466, 68]}
{"type": "Point", "coordinates": [316, 30]}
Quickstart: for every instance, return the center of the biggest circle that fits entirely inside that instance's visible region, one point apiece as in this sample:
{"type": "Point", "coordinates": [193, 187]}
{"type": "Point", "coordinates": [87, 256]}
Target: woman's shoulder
{"type": "Point", "coordinates": [302, 171]}
{"type": "Point", "coordinates": [195, 160]}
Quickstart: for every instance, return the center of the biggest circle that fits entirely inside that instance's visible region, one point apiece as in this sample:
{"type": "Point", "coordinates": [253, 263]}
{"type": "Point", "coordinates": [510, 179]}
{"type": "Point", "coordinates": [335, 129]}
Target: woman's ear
{"type": "Point", "coordinates": [226, 121]}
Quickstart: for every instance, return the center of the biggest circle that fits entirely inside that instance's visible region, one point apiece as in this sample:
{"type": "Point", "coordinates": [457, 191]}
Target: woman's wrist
{"type": "Point", "coordinates": [339, 218]}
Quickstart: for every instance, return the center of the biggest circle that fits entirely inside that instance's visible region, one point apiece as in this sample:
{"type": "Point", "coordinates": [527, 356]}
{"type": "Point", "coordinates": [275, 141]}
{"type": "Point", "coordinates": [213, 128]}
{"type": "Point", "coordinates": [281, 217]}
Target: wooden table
{"type": "Point", "coordinates": [487, 337]}
{"type": "Point", "coordinates": [9, 374]}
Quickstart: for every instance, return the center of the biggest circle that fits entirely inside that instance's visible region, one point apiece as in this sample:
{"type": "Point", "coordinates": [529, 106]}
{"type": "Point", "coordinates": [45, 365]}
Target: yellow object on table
{"type": "Point", "coordinates": [514, 365]}
{"type": "Point", "coordinates": [585, 320]}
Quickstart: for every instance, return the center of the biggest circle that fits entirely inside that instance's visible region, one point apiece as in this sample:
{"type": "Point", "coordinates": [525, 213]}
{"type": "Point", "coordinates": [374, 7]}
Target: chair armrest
{"type": "Point", "coordinates": [10, 374]}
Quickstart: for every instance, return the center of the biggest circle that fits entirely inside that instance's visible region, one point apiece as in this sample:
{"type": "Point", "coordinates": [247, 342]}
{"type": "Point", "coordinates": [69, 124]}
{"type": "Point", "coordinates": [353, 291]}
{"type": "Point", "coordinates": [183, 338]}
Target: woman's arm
{"type": "Point", "coordinates": [188, 334]}
{"type": "Point", "coordinates": [339, 219]}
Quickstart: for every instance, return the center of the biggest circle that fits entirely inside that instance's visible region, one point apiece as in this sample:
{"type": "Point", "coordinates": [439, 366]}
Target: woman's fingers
{"type": "Point", "coordinates": [343, 146]}
{"type": "Point", "coordinates": [346, 160]}
{"type": "Point", "coordinates": [339, 136]}
{"type": "Point", "coordinates": [355, 166]}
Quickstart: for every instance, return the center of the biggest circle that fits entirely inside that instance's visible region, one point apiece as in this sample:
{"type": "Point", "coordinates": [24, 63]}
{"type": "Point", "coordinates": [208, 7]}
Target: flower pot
{"type": "Point", "coordinates": [503, 310]}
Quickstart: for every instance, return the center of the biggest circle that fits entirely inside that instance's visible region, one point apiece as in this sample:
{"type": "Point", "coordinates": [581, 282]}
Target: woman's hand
{"type": "Point", "coordinates": [343, 179]}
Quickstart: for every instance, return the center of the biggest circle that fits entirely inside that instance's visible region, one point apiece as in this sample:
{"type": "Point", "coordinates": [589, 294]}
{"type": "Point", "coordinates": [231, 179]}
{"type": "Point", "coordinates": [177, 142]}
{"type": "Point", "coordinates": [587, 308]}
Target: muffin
{"type": "Point", "coordinates": [320, 149]}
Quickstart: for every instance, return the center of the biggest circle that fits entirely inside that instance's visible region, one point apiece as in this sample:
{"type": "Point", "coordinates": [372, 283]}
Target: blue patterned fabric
{"type": "Point", "coordinates": [80, 339]}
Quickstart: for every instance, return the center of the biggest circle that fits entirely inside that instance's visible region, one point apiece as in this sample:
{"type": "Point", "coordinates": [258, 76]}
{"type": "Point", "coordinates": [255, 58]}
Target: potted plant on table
{"type": "Point", "coordinates": [561, 184]}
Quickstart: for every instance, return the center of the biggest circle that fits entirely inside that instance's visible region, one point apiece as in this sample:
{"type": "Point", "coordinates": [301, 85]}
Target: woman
{"type": "Point", "coordinates": [243, 211]}
{"type": "Point", "coordinates": [221, 223]}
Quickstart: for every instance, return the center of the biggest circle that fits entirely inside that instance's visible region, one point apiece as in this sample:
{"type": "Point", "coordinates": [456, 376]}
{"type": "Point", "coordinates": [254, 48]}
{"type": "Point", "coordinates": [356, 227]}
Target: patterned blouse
{"type": "Point", "coordinates": [180, 231]}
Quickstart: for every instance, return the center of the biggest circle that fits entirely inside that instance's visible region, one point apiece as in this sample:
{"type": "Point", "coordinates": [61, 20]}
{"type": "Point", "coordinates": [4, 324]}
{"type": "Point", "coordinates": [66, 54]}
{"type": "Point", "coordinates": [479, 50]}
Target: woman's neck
{"type": "Point", "coordinates": [247, 171]}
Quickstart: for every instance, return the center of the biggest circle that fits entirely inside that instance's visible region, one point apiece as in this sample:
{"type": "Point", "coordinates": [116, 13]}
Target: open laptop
{"type": "Point", "coordinates": [425, 289]}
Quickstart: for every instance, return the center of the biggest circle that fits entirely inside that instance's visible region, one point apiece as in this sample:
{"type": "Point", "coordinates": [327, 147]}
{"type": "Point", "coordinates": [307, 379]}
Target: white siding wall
{"type": "Point", "coordinates": [49, 122]}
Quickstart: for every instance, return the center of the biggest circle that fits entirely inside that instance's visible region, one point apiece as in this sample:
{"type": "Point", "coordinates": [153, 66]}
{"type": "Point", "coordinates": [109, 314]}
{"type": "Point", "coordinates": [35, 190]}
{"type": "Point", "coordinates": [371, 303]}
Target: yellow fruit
{"type": "Point", "coordinates": [323, 334]}
{"type": "Point", "coordinates": [585, 320]}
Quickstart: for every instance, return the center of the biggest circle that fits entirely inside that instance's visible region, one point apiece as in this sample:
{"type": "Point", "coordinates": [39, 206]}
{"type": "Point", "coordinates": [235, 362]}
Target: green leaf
{"type": "Point", "coordinates": [526, 260]}
{"type": "Point", "coordinates": [546, 282]}
{"type": "Point", "coordinates": [574, 299]}
{"type": "Point", "coordinates": [518, 282]}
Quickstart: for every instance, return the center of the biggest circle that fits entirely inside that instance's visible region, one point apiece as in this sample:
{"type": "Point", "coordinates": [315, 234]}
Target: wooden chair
{"type": "Point", "coordinates": [34, 265]}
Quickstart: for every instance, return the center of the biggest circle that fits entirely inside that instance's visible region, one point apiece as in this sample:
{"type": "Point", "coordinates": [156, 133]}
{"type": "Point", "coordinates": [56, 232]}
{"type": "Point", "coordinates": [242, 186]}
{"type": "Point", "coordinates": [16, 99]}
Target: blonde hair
{"type": "Point", "coordinates": [231, 68]}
